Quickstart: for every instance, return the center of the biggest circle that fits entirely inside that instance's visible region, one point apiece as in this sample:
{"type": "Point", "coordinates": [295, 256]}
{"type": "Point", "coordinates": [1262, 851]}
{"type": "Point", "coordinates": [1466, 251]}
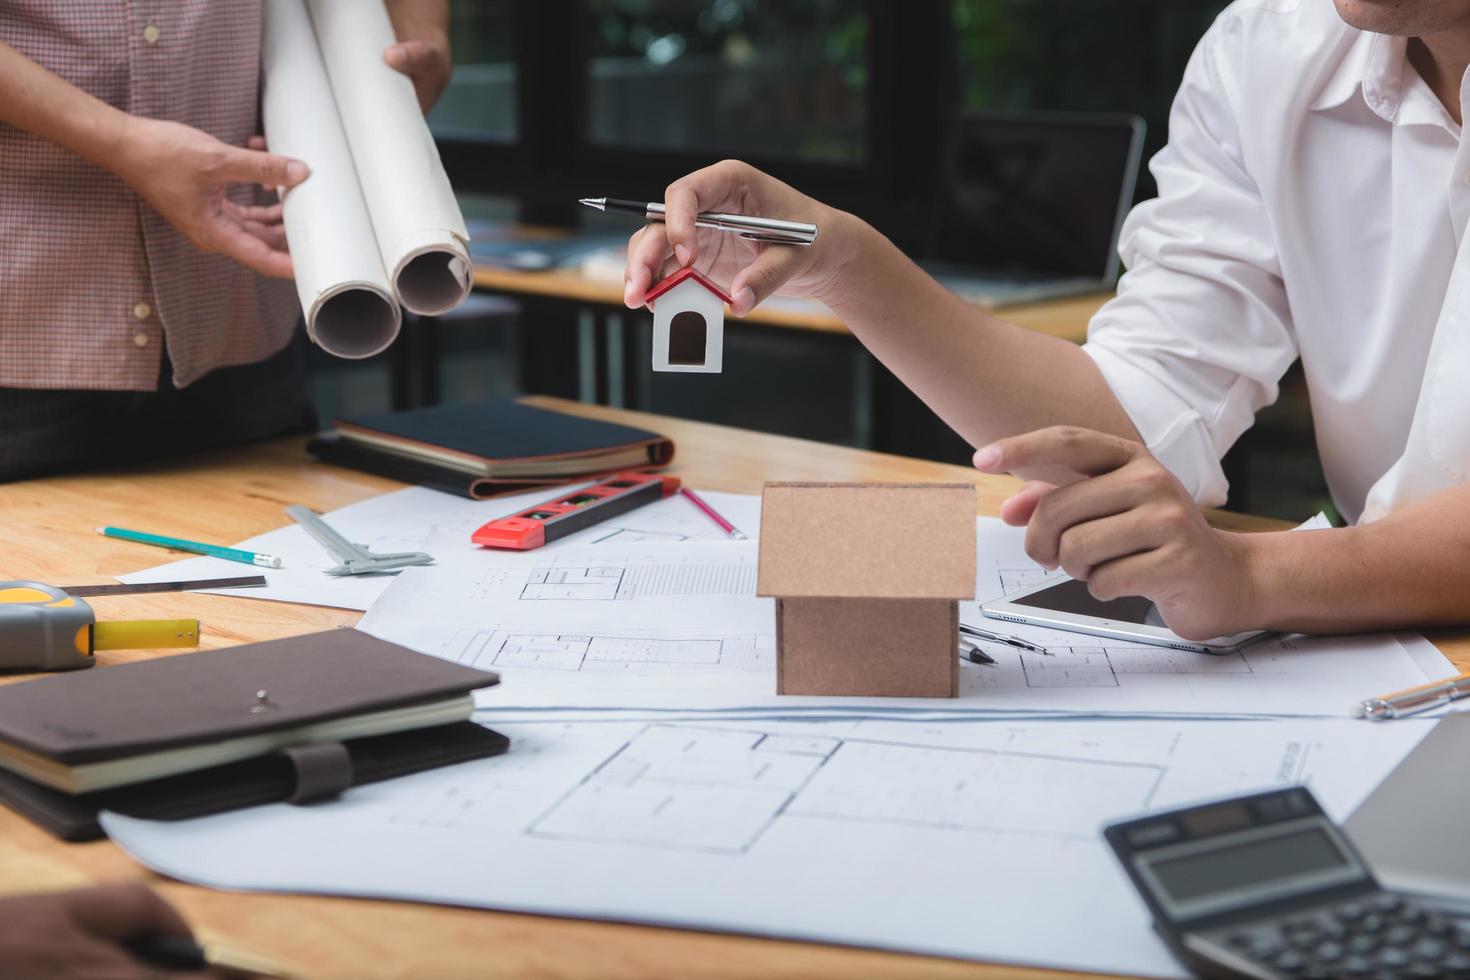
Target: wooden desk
{"type": "Point", "coordinates": [48, 535]}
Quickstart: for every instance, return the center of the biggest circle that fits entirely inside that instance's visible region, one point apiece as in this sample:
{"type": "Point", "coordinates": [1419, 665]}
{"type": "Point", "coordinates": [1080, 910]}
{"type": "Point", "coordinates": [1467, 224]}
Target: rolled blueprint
{"type": "Point", "coordinates": [350, 307]}
{"type": "Point", "coordinates": [420, 232]}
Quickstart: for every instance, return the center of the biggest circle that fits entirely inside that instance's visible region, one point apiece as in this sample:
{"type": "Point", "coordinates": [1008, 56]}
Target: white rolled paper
{"type": "Point", "coordinates": [420, 232]}
{"type": "Point", "coordinates": [376, 224]}
{"type": "Point", "coordinates": [349, 305]}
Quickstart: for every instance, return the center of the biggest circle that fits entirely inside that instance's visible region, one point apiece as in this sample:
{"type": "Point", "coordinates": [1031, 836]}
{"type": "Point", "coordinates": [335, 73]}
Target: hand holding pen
{"type": "Point", "coordinates": [752, 271]}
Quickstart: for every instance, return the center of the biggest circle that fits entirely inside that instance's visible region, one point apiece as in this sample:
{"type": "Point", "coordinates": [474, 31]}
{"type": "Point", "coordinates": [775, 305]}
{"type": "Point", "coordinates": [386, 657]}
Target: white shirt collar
{"type": "Point", "coordinates": [1376, 69]}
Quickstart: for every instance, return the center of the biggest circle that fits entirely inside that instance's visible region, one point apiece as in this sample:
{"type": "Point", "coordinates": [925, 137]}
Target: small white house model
{"type": "Point", "coordinates": [688, 323]}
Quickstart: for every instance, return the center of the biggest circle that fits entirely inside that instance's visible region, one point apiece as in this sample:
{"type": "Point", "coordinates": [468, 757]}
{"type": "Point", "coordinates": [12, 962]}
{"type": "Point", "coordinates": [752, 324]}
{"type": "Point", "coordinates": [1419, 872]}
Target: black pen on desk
{"type": "Point", "coordinates": [776, 231]}
{"type": "Point", "coordinates": [976, 655]}
{"type": "Point", "coordinates": [181, 954]}
{"type": "Point", "coordinates": [1010, 641]}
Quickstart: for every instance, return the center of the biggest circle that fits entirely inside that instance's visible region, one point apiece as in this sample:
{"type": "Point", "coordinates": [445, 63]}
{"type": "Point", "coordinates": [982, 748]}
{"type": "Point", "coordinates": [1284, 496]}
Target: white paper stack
{"type": "Point", "coordinates": [376, 226]}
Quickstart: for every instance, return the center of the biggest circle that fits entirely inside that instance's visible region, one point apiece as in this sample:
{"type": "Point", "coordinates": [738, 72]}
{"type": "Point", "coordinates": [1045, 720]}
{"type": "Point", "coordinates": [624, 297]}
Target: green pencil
{"type": "Point", "coordinates": [196, 547]}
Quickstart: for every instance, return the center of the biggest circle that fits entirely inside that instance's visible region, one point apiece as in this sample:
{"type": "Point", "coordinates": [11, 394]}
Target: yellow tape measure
{"type": "Point", "coordinates": [43, 628]}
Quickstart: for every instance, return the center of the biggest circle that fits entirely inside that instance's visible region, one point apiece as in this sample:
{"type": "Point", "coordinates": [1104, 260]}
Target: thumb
{"type": "Point", "coordinates": [1017, 510]}
{"type": "Point", "coordinates": [756, 282]}
{"type": "Point", "coordinates": [409, 57]}
{"type": "Point", "coordinates": [267, 169]}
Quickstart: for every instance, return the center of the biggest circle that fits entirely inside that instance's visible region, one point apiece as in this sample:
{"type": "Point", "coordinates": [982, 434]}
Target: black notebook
{"type": "Point", "coordinates": [488, 447]}
{"type": "Point", "coordinates": [273, 778]}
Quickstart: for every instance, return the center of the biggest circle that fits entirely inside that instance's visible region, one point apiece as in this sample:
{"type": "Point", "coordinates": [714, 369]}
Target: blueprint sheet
{"type": "Point", "coordinates": [608, 626]}
{"type": "Point", "coordinates": [420, 519]}
{"type": "Point", "coordinates": [976, 840]}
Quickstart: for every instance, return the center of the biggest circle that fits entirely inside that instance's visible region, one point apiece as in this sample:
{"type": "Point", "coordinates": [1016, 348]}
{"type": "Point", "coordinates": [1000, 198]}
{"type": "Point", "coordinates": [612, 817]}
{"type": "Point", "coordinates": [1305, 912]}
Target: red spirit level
{"type": "Point", "coordinates": [535, 526]}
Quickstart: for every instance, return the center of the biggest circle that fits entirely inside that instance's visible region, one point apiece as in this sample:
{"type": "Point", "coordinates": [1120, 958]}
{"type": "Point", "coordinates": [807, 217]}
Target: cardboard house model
{"type": "Point", "coordinates": [866, 578]}
{"type": "Point", "coordinates": [688, 323]}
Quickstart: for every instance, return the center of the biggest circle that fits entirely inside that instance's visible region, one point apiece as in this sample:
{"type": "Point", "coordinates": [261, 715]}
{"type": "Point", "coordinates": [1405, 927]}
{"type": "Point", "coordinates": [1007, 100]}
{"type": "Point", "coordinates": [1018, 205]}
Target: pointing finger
{"type": "Point", "coordinates": [1086, 452]}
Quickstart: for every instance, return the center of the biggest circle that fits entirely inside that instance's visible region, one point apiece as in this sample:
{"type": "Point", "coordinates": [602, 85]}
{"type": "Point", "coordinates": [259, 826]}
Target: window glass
{"type": "Point", "coordinates": [753, 77]}
{"type": "Point", "coordinates": [480, 102]}
{"type": "Point", "coordinates": [1102, 55]}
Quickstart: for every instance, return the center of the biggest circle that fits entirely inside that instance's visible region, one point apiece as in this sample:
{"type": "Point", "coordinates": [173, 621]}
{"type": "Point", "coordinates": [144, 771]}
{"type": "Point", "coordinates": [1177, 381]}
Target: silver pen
{"type": "Point", "coordinates": [775, 231]}
{"type": "Point", "coordinates": [1414, 700]}
{"type": "Point", "coordinates": [1010, 641]}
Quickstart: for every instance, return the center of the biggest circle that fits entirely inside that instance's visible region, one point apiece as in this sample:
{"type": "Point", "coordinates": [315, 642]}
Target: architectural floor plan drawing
{"type": "Point", "coordinates": [499, 649]}
{"type": "Point", "coordinates": [976, 840]}
{"type": "Point", "coordinates": [603, 573]}
{"type": "Point", "coordinates": [661, 788]}
{"type": "Point", "coordinates": [569, 578]}
{"type": "Point", "coordinates": [1015, 579]}
{"type": "Point", "coordinates": [654, 615]}
{"type": "Point", "coordinates": [1104, 666]}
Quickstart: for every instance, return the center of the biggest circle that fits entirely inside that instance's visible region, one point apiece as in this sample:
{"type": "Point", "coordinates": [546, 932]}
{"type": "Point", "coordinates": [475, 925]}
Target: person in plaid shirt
{"type": "Point", "coordinates": [146, 306]}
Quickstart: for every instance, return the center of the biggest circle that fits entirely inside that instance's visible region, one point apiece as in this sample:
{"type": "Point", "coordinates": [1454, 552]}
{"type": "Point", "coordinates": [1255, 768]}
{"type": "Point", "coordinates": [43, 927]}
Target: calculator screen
{"type": "Point", "coordinates": [1252, 864]}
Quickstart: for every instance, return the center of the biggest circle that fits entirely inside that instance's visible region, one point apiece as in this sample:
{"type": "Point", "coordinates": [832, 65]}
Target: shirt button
{"type": "Point", "coordinates": [140, 340]}
{"type": "Point", "coordinates": [1467, 178]}
{"type": "Point", "coordinates": [150, 34]}
{"type": "Point", "coordinates": [141, 310]}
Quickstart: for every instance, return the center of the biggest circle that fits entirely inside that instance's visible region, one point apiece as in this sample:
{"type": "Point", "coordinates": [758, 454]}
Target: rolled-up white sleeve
{"type": "Point", "coordinates": [1200, 332]}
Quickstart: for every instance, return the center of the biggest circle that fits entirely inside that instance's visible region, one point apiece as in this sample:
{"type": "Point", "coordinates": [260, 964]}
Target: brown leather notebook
{"type": "Point", "coordinates": [97, 729]}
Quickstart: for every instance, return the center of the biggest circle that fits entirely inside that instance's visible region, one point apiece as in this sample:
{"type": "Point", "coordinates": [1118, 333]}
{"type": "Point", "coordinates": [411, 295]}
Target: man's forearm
{"type": "Point", "coordinates": [46, 105]}
{"type": "Point", "coordinates": [986, 378]}
{"type": "Point", "coordinates": [1411, 568]}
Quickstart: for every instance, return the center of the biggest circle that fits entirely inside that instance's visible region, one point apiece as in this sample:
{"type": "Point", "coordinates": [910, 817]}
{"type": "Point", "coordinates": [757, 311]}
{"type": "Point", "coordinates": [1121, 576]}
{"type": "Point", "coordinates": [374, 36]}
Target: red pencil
{"type": "Point", "coordinates": [713, 514]}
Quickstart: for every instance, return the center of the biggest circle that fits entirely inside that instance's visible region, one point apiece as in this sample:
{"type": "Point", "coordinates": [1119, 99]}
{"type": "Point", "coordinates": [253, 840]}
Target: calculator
{"type": "Point", "coordinates": [1267, 886]}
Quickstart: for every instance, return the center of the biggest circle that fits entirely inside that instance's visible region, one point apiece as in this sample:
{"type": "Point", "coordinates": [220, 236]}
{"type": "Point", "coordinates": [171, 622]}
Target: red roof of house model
{"type": "Point", "coordinates": [688, 272]}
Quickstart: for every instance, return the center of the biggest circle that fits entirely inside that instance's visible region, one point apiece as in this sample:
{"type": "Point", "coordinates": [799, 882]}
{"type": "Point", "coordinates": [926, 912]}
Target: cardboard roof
{"type": "Point", "coordinates": [868, 540]}
{"type": "Point", "coordinates": [688, 272]}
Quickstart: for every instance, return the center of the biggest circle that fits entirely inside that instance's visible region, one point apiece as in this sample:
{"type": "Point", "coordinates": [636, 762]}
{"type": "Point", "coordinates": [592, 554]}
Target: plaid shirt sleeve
{"type": "Point", "coordinates": [95, 282]}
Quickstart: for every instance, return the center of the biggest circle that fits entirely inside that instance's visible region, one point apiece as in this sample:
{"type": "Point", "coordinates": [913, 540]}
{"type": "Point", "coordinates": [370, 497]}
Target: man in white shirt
{"type": "Point", "coordinates": [1313, 201]}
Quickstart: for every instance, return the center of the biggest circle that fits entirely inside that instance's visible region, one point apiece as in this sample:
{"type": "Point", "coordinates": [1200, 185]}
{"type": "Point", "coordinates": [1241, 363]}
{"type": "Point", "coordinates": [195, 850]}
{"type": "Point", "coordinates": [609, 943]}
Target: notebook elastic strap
{"type": "Point", "coordinates": [323, 771]}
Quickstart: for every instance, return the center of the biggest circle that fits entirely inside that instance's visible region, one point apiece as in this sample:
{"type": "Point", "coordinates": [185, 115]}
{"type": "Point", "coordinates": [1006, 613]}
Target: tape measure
{"type": "Point", "coordinates": [44, 628]}
{"type": "Point", "coordinates": [573, 512]}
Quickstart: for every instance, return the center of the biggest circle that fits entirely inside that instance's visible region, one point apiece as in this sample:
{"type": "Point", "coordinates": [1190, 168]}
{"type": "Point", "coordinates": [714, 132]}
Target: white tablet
{"type": "Point", "coordinates": [1062, 602]}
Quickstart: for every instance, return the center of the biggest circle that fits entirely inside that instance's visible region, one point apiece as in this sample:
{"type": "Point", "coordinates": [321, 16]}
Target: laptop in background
{"type": "Point", "coordinates": [1411, 829]}
{"type": "Point", "coordinates": [1030, 204]}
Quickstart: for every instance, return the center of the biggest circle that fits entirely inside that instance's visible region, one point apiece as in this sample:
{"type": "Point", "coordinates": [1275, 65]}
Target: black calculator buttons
{"type": "Point", "coordinates": [1381, 937]}
{"type": "Point", "coordinates": [1329, 952]}
{"type": "Point", "coordinates": [1393, 958]}
{"type": "Point", "coordinates": [1429, 949]}
{"type": "Point", "coordinates": [1400, 935]}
